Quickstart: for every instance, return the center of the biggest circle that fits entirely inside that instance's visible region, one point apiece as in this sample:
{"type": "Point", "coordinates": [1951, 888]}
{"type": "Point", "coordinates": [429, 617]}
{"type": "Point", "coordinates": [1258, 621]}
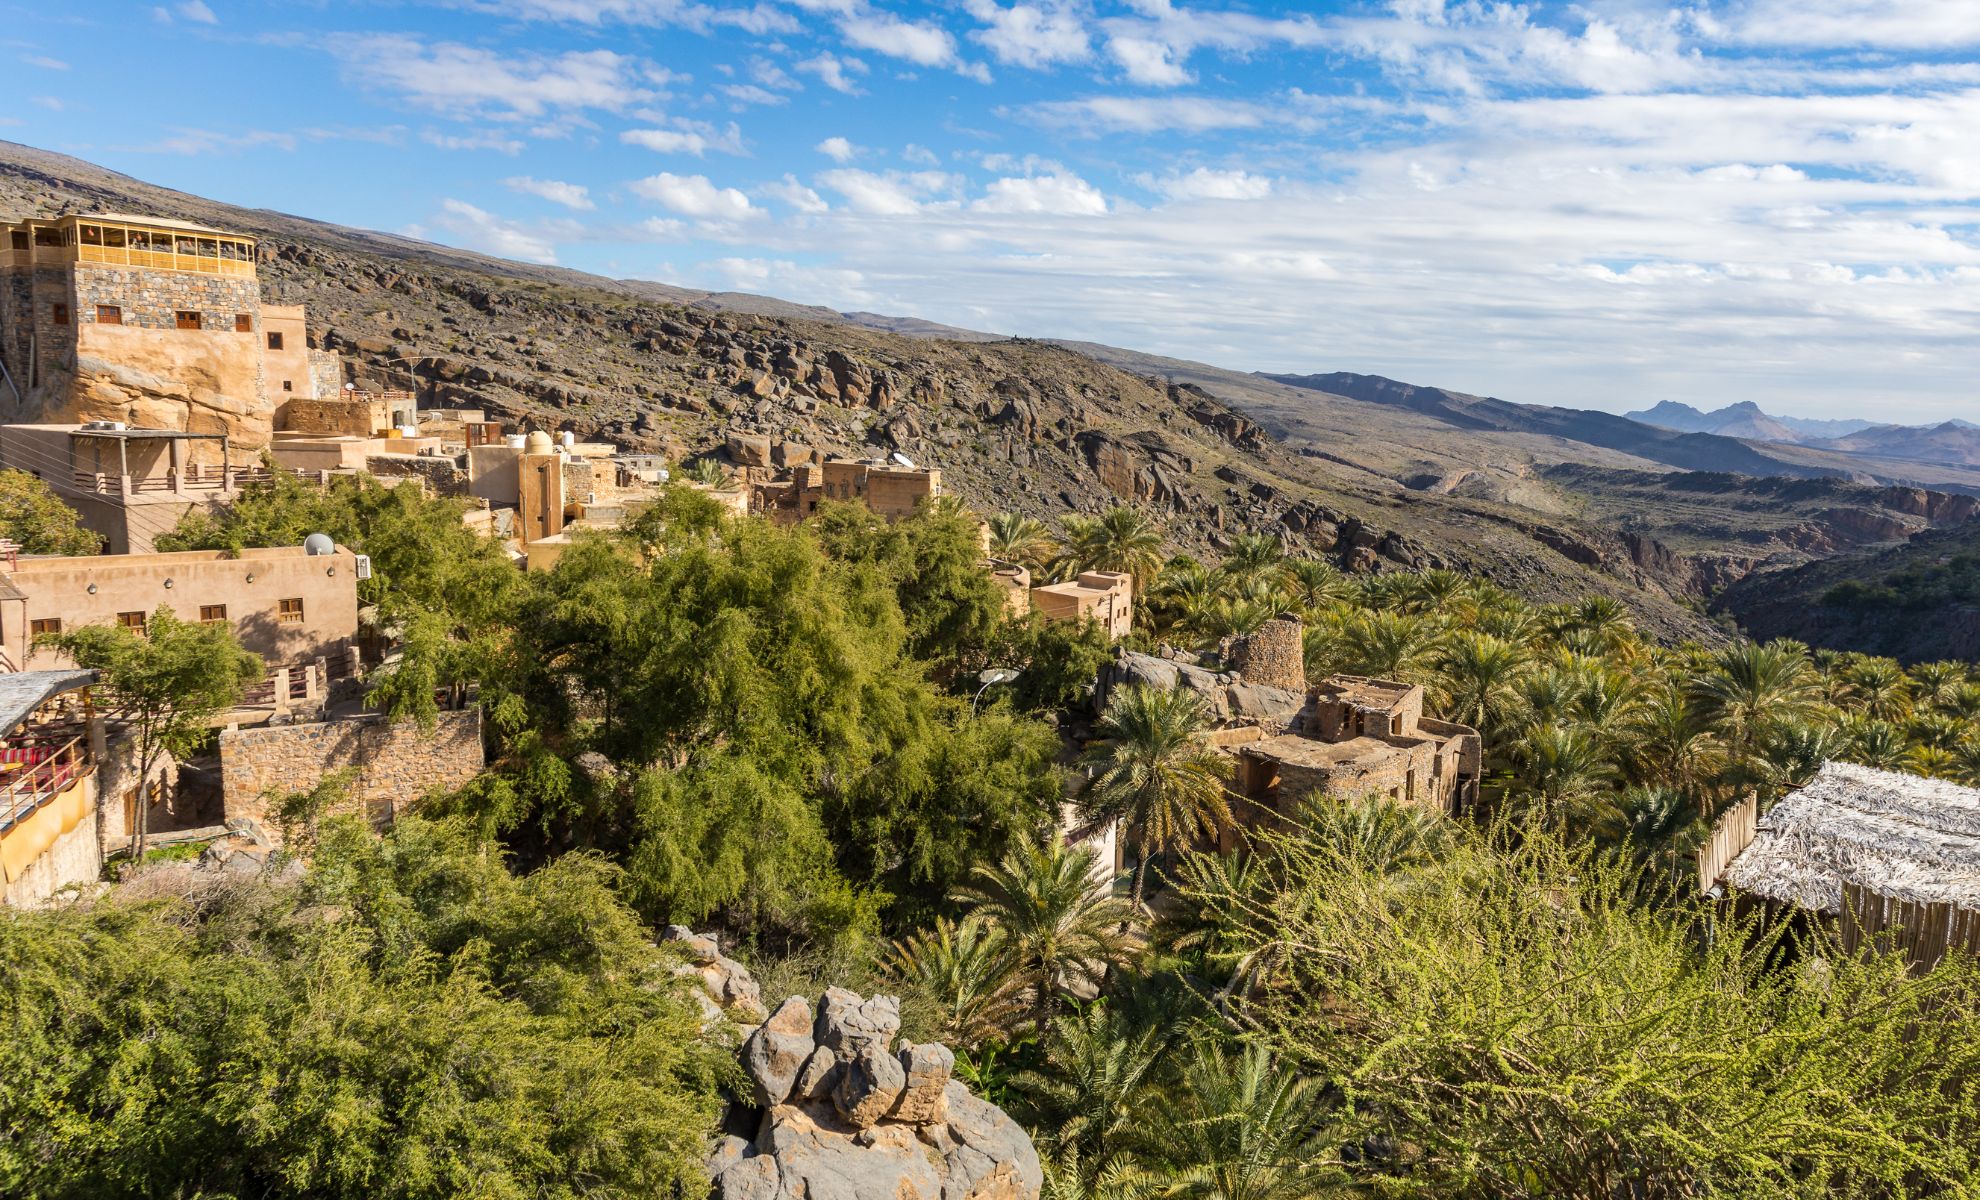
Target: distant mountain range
{"type": "Point", "coordinates": [1947, 442]}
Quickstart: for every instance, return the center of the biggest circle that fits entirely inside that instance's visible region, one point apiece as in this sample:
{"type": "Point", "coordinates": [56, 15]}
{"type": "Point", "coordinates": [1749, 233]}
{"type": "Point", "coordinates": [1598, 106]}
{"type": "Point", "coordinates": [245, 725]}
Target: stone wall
{"type": "Point", "coordinates": [326, 372]}
{"type": "Point", "coordinates": [443, 475]}
{"type": "Point", "coordinates": [335, 415]}
{"type": "Point", "coordinates": [1274, 656]}
{"type": "Point", "coordinates": [396, 764]}
{"type": "Point", "coordinates": [153, 299]}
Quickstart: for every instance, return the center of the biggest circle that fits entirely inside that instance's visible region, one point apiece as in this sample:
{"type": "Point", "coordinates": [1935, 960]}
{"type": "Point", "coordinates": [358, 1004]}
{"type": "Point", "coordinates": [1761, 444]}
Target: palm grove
{"type": "Point", "coordinates": [770, 732]}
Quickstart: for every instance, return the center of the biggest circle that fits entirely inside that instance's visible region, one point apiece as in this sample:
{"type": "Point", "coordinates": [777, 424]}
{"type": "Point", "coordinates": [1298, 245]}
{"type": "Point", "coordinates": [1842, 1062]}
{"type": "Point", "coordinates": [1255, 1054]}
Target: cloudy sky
{"type": "Point", "coordinates": [1601, 204]}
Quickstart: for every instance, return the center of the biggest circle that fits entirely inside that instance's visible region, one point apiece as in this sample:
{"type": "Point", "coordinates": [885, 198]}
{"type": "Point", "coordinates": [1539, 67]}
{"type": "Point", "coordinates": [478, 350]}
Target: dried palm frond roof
{"type": "Point", "coordinates": [1905, 836]}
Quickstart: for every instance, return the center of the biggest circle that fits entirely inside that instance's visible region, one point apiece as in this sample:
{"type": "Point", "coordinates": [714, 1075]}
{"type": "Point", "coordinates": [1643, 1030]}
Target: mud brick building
{"type": "Point", "coordinates": [1359, 737]}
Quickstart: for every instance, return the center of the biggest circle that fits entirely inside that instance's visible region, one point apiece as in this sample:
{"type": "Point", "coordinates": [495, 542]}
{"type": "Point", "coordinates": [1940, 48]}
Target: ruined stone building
{"type": "Point", "coordinates": [148, 321]}
{"type": "Point", "coordinates": [1359, 737]}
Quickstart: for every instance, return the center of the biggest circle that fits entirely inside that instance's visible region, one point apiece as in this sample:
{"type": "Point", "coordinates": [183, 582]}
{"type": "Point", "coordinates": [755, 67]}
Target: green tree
{"type": "Point", "coordinates": [1089, 1099]}
{"type": "Point", "coordinates": [963, 969]}
{"type": "Point", "coordinates": [1065, 929]}
{"type": "Point", "coordinates": [1155, 777]}
{"type": "Point", "coordinates": [1017, 538]}
{"type": "Point", "coordinates": [1119, 539]}
{"type": "Point", "coordinates": [166, 685]}
{"type": "Point", "coordinates": [1241, 1126]}
{"type": "Point", "coordinates": [37, 520]}
{"type": "Point", "coordinates": [1749, 686]}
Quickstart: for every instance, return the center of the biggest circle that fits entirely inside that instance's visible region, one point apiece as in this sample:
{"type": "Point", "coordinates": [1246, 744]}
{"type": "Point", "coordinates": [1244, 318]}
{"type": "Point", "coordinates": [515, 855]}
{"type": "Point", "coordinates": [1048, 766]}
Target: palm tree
{"type": "Point", "coordinates": [1155, 775]}
{"type": "Point", "coordinates": [1966, 762]}
{"type": "Point", "coordinates": [1750, 685]}
{"type": "Point", "coordinates": [1182, 598]}
{"type": "Point", "coordinates": [1119, 539]}
{"type": "Point", "coordinates": [1934, 681]}
{"type": "Point", "coordinates": [1312, 583]}
{"type": "Point", "coordinates": [1668, 744]}
{"type": "Point", "coordinates": [1374, 832]}
{"type": "Point", "coordinates": [1566, 766]}
{"type": "Point", "coordinates": [1244, 1127]}
{"type": "Point", "coordinates": [1877, 688]}
{"type": "Point", "coordinates": [1089, 1098]}
{"type": "Point", "coordinates": [965, 969]}
{"type": "Point", "coordinates": [1390, 645]}
{"type": "Point", "coordinates": [1478, 679]}
{"type": "Point", "coordinates": [1253, 554]}
{"type": "Point", "coordinates": [1879, 744]}
{"type": "Point", "coordinates": [1017, 538]}
{"type": "Point", "coordinates": [1064, 927]}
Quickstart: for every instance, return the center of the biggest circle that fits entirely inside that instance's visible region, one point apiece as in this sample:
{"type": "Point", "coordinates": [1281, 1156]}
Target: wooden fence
{"type": "Point", "coordinates": [1922, 930]}
{"type": "Point", "coordinates": [1735, 831]}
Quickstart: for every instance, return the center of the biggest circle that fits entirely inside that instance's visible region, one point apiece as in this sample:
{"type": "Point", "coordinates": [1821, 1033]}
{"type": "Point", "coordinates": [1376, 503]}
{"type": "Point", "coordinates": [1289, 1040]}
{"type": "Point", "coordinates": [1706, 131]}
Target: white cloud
{"type": "Point", "coordinates": [666, 141]}
{"type": "Point", "coordinates": [694, 196]}
{"type": "Point", "coordinates": [889, 193]}
{"type": "Point", "coordinates": [1903, 24]}
{"type": "Point", "coordinates": [1206, 184]}
{"type": "Point", "coordinates": [1058, 194]}
{"type": "Point", "coordinates": [499, 143]}
{"type": "Point", "coordinates": [920, 155]}
{"type": "Point", "coordinates": [835, 72]}
{"type": "Point", "coordinates": [453, 78]}
{"type": "Point", "coordinates": [837, 149]}
{"type": "Point", "coordinates": [749, 93]}
{"type": "Point", "coordinates": [477, 229]}
{"type": "Point", "coordinates": [570, 195]}
{"type": "Point", "coordinates": [795, 194]}
{"type": "Point", "coordinates": [44, 62]}
{"type": "Point", "coordinates": [923, 43]}
{"type": "Point", "coordinates": [761, 18]}
{"type": "Point", "coordinates": [1149, 62]}
{"type": "Point", "coordinates": [1030, 35]}
{"type": "Point", "coordinates": [197, 12]}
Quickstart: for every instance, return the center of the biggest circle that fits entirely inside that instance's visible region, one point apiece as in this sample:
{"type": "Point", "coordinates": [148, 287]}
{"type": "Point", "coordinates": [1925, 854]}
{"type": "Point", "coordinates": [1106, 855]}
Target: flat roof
{"type": "Point", "coordinates": [21, 692]}
{"type": "Point", "coordinates": [1312, 752]}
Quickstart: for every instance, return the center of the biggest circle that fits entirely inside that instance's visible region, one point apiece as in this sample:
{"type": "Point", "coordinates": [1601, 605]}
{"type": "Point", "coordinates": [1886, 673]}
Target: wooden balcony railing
{"type": "Point", "coordinates": [34, 771]}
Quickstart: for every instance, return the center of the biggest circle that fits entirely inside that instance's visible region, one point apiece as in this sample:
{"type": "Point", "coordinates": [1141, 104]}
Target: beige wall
{"type": "Point", "coordinates": [397, 764]}
{"type": "Point", "coordinates": [492, 473]}
{"type": "Point", "coordinates": [290, 364]}
{"type": "Point", "coordinates": [1096, 596]}
{"type": "Point", "coordinates": [542, 496]}
{"type": "Point", "coordinates": [354, 418]}
{"type": "Point", "coordinates": [894, 494]}
{"type": "Point", "coordinates": [59, 588]}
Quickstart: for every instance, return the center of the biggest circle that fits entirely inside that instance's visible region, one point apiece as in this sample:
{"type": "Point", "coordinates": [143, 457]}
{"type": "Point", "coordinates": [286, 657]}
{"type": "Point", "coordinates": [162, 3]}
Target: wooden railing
{"type": "Point", "coordinates": [1922, 931]}
{"type": "Point", "coordinates": [1733, 833]}
{"type": "Point", "coordinates": [157, 260]}
{"type": "Point", "coordinates": [212, 480]}
{"type": "Point", "coordinates": [40, 771]}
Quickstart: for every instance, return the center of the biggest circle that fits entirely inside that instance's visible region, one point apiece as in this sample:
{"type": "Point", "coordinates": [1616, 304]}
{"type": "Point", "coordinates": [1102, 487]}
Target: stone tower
{"type": "Point", "coordinates": [1274, 656]}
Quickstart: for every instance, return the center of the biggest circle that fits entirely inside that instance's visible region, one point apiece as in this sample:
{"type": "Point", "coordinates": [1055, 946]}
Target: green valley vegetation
{"type": "Point", "coordinates": [35, 519]}
{"type": "Point", "coordinates": [769, 732]}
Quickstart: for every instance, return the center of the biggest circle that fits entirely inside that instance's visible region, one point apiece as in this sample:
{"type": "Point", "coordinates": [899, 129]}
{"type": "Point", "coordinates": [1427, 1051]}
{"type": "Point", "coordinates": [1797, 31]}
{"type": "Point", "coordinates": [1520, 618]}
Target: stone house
{"type": "Point", "coordinates": [1358, 737]}
{"type": "Point", "coordinates": [1105, 597]}
{"type": "Point", "coordinates": [148, 321]}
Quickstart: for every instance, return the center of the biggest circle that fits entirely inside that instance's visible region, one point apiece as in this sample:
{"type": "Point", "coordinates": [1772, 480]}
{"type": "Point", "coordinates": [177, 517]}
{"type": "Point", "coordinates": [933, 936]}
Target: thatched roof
{"type": "Point", "coordinates": [1902, 835]}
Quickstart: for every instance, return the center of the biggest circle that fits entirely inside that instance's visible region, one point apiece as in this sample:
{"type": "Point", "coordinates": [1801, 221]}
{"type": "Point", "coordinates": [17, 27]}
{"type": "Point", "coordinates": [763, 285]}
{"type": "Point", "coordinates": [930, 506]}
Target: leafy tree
{"type": "Point", "coordinates": [1524, 1026]}
{"type": "Point", "coordinates": [1119, 539]}
{"type": "Point", "coordinates": [166, 684]}
{"type": "Point", "coordinates": [1154, 776]}
{"type": "Point", "coordinates": [37, 520]}
{"type": "Point", "coordinates": [1064, 928]}
{"type": "Point", "coordinates": [409, 1021]}
{"type": "Point", "coordinates": [934, 561]}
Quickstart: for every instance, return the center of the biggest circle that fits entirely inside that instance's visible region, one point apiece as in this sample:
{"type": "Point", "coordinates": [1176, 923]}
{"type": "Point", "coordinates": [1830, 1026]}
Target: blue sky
{"type": "Point", "coordinates": [1601, 204]}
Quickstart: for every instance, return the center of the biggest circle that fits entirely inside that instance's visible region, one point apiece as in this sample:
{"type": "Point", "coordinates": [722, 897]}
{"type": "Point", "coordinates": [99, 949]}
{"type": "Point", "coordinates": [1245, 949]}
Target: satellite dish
{"type": "Point", "coordinates": [902, 459]}
{"type": "Point", "coordinates": [319, 544]}
{"type": "Point", "coordinates": [998, 675]}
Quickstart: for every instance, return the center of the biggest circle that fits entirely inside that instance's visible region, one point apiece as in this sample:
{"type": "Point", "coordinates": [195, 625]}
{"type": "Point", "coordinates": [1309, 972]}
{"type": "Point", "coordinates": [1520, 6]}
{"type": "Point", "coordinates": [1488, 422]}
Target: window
{"type": "Point", "coordinates": [213, 614]}
{"type": "Point", "coordinates": [274, 341]}
{"type": "Point", "coordinates": [288, 385]}
{"type": "Point", "coordinates": [133, 621]}
{"type": "Point", "coordinates": [243, 323]}
{"type": "Point", "coordinates": [291, 611]}
{"type": "Point", "coordinates": [91, 235]}
{"type": "Point", "coordinates": [109, 314]}
{"type": "Point", "coordinates": [188, 320]}
{"type": "Point", "coordinates": [18, 239]}
{"type": "Point", "coordinates": [61, 315]}
{"type": "Point", "coordinates": [45, 625]}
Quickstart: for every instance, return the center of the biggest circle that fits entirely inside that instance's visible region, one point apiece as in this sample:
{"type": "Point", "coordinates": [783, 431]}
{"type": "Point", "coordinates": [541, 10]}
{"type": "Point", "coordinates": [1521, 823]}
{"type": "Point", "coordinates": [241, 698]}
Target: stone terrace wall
{"type": "Point", "coordinates": [152, 299]}
{"type": "Point", "coordinates": [397, 764]}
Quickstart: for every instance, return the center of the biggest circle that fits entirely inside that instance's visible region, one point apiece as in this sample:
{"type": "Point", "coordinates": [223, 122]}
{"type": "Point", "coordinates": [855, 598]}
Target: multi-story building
{"type": "Point", "coordinates": [148, 321]}
{"type": "Point", "coordinates": [1359, 737]}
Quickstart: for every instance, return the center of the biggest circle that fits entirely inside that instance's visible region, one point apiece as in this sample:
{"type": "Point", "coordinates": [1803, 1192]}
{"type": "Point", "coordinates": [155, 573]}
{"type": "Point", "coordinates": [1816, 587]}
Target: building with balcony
{"type": "Point", "coordinates": [50, 748]}
{"type": "Point", "coordinates": [148, 321]}
{"type": "Point", "coordinates": [130, 485]}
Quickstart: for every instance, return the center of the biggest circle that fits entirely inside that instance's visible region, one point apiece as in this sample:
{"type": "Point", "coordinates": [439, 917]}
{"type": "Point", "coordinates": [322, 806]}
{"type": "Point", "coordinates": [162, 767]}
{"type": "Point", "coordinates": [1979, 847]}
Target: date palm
{"type": "Point", "coordinates": [1478, 679]}
{"type": "Point", "coordinates": [1253, 555]}
{"type": "Point", "coordinates": [1750, 685]}
{"type": "Point", "coordinates": [1933, 682]}
{"type": "Point", "coordinates": [1877, 688]}
{"type": "Point", "coordinates": [1312, 583]}
{"type": "Point", "coordinates": [1669, 744]}
{"type": "Point", "coordinates": [1064, 926]}
{"type": "Point", "coordinates": [1879, 744]}
{"type": "Point", "coordinates": [1017, 538]}
{"type": "Point", "coordinates": [1243, 1126]}
{"type": "Point", "coordinates": [965, 969]}
{"type": "Point", "coordinates": [1119, 539]}
{"type": "Point", "coordinates": [1567, 768]}
{"type": "Point", "coordinates": [1155, 776]}
{"type": "Point", "coordinates": [1090, 1097]}
{"type": "Point", "coordinates": [1390, 645]}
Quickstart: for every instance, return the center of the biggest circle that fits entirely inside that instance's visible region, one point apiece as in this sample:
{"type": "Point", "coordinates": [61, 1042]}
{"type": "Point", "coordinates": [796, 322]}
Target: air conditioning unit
{"type": "Point", "coordinates": [364, 566]}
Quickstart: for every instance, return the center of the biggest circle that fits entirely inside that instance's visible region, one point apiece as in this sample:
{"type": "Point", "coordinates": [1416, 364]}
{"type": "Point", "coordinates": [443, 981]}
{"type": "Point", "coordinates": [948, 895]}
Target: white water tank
{"type": "Point", "coordinates": [514, 441]}
{"type": "Point", "coordinates": [567, 439]}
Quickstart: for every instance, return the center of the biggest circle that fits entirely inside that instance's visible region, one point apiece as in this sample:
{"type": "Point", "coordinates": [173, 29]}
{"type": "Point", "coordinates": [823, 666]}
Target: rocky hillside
{"type": "Point", "coordinates": [1916, 602]}
{"type": "Point", "coordinates": [1042, 428]}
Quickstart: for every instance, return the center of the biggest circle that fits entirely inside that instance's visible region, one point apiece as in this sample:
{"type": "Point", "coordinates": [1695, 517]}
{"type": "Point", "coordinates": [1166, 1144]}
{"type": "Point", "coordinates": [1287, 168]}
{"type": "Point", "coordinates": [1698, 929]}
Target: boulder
{"type": "Point", "coordinates": [923, 1098]}
{"type": "Point", "coordinates": [749, 450]}
{"type": "Point", "coordinates": [993, 1158]}
{"type": "Point", "coordinates": [869, 1086]}
{"type": "Point", "coordinates": [847, 1023]}
{"type": "Point", "coordinates": [775, 1052]}
{"type": "Point", "coordinates": [818, 1076]}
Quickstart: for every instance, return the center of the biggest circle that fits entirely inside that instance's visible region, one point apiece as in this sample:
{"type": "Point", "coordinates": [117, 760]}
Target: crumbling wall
{"type": "Point", "coordinates": [396, 764]}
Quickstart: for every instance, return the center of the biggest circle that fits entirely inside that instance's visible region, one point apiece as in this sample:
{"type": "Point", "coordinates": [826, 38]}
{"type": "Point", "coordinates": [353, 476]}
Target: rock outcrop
{"type": "Point", "coordinates": [840, 1108]}
{"type": "Point", "coordinates": [1226, 695]}
{"type": "Point", "coordinates": [728, 991]}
